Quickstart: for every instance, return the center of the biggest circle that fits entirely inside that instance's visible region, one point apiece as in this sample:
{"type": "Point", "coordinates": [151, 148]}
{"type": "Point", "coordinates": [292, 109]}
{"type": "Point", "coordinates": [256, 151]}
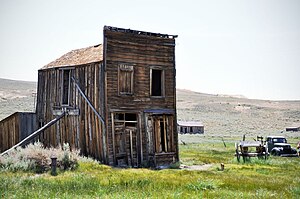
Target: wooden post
{"type": "Point", "coordinates": [222, 166]}
{"type": "Point", "coordinates": [165, 134]}
{"type": "Point", "coordinates": [131, 148]}
{"type": "Point", "coordinates": [53, 165]}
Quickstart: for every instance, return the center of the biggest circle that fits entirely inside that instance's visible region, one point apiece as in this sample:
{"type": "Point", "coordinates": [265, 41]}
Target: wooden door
{"type": "Point", "coordinates": [125, 146]}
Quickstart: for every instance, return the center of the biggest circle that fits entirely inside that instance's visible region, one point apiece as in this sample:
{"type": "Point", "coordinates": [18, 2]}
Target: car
{"type": "Point", "coordinates": [278, 146]}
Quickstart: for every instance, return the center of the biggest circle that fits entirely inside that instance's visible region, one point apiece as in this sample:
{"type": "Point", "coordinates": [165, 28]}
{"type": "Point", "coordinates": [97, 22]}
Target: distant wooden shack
{"type": "Point", "coordinates": [15, 128]}
{"type": "Point", "coordinates": [190, 127]}
{"type": "Point", "coordinates": [292, 128]}
{"type": "Point", "coordinates": [119, 99]}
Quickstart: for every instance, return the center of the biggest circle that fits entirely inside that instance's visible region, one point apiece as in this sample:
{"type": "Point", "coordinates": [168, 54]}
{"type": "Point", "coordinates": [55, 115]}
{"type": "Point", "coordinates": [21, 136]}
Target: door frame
{"type": "Point", "coordinates": [137, 146]}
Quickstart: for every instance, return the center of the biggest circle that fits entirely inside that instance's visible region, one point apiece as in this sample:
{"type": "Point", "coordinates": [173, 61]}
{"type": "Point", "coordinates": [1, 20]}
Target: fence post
{"type": "Point", "coordinates": [53, 165]}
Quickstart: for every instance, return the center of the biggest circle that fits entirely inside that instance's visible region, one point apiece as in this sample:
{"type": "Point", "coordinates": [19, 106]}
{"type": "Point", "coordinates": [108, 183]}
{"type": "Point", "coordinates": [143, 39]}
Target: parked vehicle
{"type": "Point", "coordinates": [278, 146]}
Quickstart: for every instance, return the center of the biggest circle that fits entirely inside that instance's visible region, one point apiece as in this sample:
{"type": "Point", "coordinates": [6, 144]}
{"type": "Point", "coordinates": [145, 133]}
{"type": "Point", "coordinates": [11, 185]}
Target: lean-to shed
{"type": "Point", "coordinates": [119, 99]}
{"type": "Point", "coordinates": [191, 127]}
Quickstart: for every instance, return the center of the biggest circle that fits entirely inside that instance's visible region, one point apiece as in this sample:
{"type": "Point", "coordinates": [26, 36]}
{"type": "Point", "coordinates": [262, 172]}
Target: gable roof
{"type": "Point", "coordinates": [78, 57]}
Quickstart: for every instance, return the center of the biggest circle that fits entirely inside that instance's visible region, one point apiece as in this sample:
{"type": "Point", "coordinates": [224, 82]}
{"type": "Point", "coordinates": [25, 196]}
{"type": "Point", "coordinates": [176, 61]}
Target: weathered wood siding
{"type": "Point", "coordinates": [143, 52]}
{"type": "Point", "coordinates": [15, 128]}
{"type": "Point", "coordinates": [84, 130]}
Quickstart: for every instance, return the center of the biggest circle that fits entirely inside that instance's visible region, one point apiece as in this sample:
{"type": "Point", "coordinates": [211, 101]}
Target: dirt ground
{"type": "Point", "coordinates": [197, 167]}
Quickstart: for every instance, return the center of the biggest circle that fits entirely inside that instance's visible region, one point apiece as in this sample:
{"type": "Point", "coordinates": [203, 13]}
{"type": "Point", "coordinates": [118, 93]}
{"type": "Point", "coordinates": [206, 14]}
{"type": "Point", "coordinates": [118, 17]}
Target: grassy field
{"type": "Point", "coordinates": [274, 178]}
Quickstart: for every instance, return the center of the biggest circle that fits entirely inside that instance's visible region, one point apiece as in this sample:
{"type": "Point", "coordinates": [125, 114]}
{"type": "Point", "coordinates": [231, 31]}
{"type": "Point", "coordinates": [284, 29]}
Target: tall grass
{"type": "Point", "coordinates": [274, 178]}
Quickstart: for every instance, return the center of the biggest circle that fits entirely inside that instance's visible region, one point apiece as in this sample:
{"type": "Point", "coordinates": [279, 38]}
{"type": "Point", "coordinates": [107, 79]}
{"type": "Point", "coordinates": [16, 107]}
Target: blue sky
{"type": "Point", "coordinates": [234, 47]}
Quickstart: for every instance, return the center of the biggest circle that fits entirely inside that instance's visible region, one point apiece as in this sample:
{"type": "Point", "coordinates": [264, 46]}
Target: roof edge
{"type": "Point", "coordinates": [138, 32]}
{"type": "Point", "coordinates": [68, 66]}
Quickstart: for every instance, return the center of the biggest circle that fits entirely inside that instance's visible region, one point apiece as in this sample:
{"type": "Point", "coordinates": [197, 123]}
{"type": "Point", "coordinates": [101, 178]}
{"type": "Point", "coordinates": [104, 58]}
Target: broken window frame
{"type": "Point", "coordinates": [125, 70]}
{"type": "Point", "coordinates": [163, 138]}
{"type": "Point", "coordinates": [162, 82]}
{"type": "Point", "coordinates": [125, 121]}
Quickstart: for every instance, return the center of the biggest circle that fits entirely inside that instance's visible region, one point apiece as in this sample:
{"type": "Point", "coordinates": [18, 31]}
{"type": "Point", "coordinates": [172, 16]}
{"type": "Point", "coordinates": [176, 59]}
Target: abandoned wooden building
{"type": "Point", "coordinates": [190, 127]}
{"type": "Point", "coordinates": [116, 100]}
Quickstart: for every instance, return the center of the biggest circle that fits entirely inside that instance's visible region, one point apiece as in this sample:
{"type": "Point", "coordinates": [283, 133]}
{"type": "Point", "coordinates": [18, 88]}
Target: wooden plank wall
{"type": "Point", "coordinates": [142, 52]}
{"type": "Point", "coordinates": [15, 128]}
{"type": "Point", "coordinates": [83, 131]}
{"type": "Point", "coordinates": [9, 131]}
{"type": "Point", "coordinates": [27, 124]}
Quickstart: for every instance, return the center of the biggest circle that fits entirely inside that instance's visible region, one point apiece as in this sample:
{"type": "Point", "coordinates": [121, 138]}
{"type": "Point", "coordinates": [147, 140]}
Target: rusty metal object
{"type": "Point", "coordinates": [248, 149]}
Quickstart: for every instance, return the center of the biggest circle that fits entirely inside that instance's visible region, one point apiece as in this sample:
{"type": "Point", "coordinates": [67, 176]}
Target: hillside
{"type": "Point", "coordinates": [225, 115]}
{"type": "Point", "coordinates": [221, 115]}
{"type": "Point", "coordinates": [16, 96]}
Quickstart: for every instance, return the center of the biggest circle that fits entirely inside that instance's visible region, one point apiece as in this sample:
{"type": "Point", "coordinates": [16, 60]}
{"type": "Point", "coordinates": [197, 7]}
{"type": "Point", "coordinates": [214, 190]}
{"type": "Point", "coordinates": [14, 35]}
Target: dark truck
{"type": "Point", "coordinates": [278, 146]}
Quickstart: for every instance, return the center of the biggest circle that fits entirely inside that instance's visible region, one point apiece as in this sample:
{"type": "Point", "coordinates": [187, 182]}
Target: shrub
{"type": "Point", "coordinates": [35, 157]}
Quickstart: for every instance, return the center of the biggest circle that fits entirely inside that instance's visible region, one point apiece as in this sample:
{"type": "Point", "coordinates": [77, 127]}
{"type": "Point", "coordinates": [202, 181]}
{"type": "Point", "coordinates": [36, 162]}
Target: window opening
{"type": "Point", "coordinates": [130, 117]}
{"type": "Point", "coordinates": [164, 139]}
{"type": "Point", "coordinates": [157, 83]}
{"type": "Point", "coordinates": [162, 134]}
{"type": "Point", "coordinates": [126, 119]}
{"type": "Point", "coordinates": [65, 87]}
{"type": "Point", "coordinates": [119, 116]}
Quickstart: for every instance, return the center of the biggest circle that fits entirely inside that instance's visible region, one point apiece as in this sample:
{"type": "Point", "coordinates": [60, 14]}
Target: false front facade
{"type": "Point", "coordinates": [118, 99]}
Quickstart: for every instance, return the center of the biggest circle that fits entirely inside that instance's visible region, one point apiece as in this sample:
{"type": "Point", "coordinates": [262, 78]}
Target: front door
{"type": "Point", "coordinates": [125, 139]}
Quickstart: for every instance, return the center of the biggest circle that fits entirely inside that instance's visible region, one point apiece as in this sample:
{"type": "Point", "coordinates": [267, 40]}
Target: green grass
{"type": "Point", "coordinates": [275, 178]}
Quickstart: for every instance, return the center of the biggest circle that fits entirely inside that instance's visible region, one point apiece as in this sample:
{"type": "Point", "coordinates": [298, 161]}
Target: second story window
{"type": "Point", "coordinates": [65, 87]}
{"type": "Point", "coordinates": [157, 82]}
{"type": "Point", "coordinates": [125, 78]}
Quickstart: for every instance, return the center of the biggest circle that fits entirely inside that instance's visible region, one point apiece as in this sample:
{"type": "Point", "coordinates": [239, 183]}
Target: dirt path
{"type": "Point", "coordinates": [203, 167]}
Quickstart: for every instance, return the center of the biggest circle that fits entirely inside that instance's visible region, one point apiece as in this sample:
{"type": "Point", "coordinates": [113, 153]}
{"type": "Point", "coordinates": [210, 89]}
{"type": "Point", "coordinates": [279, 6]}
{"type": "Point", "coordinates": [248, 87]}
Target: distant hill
{"type": "Point", "coordinates": [220, 114]}
{"type": "Point", "coordinates": [16, 96]}
{"type": "Point", "coordinates": [227, 115]}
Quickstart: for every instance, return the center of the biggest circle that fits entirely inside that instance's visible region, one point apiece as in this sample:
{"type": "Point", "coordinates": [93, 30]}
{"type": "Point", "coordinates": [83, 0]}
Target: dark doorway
{"type": "Point", "coordinates": [65, 87]}
{"type": "Point", "coordinates": [156, 82]}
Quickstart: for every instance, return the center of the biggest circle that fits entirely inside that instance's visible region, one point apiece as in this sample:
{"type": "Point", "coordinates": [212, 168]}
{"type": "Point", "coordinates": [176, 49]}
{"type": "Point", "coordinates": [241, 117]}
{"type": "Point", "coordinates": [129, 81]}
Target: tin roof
{"type": "Point", "coordinates": [190, 123]}
{"type": "Point", "coordinates": [78, 57]}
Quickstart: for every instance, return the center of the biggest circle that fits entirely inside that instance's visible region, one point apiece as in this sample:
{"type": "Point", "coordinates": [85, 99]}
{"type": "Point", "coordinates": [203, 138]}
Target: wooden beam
{"type": "Point", "coordinates": [88, 101]}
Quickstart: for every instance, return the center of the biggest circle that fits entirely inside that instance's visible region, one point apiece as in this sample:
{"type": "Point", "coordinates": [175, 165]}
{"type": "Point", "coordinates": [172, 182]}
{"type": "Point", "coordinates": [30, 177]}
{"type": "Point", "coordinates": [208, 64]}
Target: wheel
{"type": "Point", "coordinates": [293, 151]}
{"type": "Point", "coordinates": [237, 155]}
{"type": "Point", "coordinates": [237, 152]}
{"type": "Point", "coordinates": [245, 158]}
{"type": "Point", "coordinates": [275, 153]}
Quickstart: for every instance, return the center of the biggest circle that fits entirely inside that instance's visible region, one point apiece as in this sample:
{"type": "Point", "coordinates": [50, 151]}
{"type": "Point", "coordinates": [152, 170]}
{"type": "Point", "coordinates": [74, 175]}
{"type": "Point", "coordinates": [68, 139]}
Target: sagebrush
{"type": "Point", "coordinates": [37, 158]}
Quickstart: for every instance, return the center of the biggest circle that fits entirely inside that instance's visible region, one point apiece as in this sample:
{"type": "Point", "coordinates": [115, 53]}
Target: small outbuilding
{"type": "Point", "coordinates": [191, 127]}
{"type": "Point", "coordinates": [292, 128]}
